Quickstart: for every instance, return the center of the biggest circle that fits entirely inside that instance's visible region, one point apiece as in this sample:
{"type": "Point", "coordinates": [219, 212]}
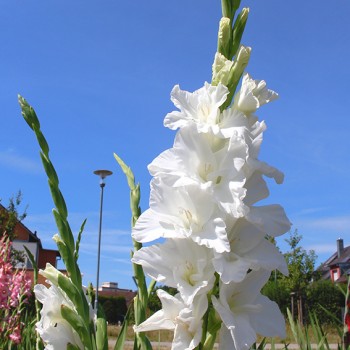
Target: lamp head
{"type": "Point", "coordinates": [102, 174]}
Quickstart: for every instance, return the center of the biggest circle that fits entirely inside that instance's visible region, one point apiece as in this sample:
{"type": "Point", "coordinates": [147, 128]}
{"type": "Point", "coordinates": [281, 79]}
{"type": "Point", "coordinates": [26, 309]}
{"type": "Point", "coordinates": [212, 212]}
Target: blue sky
{"type": "Point", "coordinates": [99, 74]}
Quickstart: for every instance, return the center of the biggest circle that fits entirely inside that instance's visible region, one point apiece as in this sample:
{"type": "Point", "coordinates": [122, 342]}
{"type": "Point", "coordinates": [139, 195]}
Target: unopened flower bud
{"type": "Point", "coordinates": [224, 36]}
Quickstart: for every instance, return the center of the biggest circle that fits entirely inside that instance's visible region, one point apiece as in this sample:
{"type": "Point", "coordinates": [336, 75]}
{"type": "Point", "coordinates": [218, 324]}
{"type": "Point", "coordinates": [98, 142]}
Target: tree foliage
{"type": "Point", "coordinates": [301, 265]}
{"type": "Point", "coordinates": [317, 295]}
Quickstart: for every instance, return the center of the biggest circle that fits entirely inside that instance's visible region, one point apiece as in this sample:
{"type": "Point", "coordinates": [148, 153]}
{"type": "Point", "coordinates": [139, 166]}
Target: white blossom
{"type": "Point", "coordinates": [54, 330]}
{"type": "Point", "coordinates": [181, 264]}
{"type": "Point", "coordinates": [253, 94]}
{"type": "Point", "coordinates": [250, 250]}
{"type": "Point", "coordinates": [193, 161]}
{"type": "Point", "coordinates": [200, 107]}
{"type": "Point", "coordinates": [186, 212]}
{"type": "Point", "coordinates": [185, 320]}
{"type": "Point", "coordinates": [245, 312]}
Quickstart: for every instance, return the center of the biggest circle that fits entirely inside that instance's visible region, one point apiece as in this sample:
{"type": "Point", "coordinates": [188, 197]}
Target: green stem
{"type": "Point", "coordinates": [141, 300]}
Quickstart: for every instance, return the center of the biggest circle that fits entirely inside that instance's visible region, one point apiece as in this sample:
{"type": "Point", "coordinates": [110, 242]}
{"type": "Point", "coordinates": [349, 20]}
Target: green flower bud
{"type": "Point", "coordinates": [221, 69]}
{"type": "Point", "coordinates": [224, 36]}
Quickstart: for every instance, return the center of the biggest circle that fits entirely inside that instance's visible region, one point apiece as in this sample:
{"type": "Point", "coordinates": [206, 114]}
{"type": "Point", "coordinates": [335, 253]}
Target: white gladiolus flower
{"type": "Point", "coordinates": [203, 202]}
{"type": "Point", "coordinates": [253, 94]}
{"type": "Point", "coordinates": [182, 212]}
{"type": "Point", "coordinates": [54, 330]}
{"type": "Point", "coordinates": [181, 264]}
{"type": "Point", "coordinates": [192, 161]}
{"type": "Point", "coordinates": [245, 312]}
{"type": "Point", "coordinates": [185, 320]}
{"type": "Point", "coordinates": [249, 250]}
{"type": "Point", "coordinates": [200, 107]}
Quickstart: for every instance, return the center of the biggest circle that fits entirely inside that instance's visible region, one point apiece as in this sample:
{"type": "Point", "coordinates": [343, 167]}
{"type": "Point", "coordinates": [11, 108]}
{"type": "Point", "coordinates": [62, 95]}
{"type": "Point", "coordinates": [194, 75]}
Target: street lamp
{"type": "Point", "coordinates": [102, 174]}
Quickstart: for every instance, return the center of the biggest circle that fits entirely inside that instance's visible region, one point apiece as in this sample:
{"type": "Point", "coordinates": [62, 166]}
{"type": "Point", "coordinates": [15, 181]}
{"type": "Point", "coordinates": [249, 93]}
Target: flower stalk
{"type": "Point", "coordinates": [202, 203]}
{"type": "Point", "coordinates": [141, 299]}
{"type": "Point", "coordinates": [66, 298]}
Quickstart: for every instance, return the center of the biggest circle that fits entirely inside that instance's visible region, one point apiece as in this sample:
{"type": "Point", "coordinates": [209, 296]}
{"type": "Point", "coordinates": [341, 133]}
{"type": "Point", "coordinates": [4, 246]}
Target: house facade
{"type": "Point", "coordinates": [337, 266]}
{"type": "Point", "coordinates": [29, 239]}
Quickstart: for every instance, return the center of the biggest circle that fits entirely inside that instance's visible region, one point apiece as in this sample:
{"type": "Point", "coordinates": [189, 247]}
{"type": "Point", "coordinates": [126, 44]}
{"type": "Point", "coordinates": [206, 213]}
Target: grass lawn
{"type": "Point", "coordinates": [166, 336]}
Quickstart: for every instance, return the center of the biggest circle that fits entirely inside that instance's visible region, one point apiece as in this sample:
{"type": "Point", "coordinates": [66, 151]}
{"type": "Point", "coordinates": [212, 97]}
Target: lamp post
{"type": "Point", "coordinates": [102, 174]}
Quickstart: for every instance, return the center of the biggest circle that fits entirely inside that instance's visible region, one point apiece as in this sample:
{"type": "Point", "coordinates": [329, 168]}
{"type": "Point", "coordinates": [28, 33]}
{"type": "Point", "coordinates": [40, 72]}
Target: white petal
{"type": "Point", "coordinates": [147, 227]}
{"type": "Point", "coordinates": [266, 256]}
{"type": "Point", "coordinates": [274, 324]}
{"type": "Point", "coordinates": [179, 263]}
{"type": "Point", "coordinates": [256, 189]}
{"type": "Point", "coordinates": [155, 322]}
{"type": "Point", "coordinates": [270, 219]}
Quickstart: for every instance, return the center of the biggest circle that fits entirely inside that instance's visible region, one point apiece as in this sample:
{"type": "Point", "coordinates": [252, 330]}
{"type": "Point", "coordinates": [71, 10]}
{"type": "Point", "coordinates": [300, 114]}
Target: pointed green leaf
{"type": "Point", "coordinates": [119, 345]}
{"type": "Point", "coordinates": [101, 334]}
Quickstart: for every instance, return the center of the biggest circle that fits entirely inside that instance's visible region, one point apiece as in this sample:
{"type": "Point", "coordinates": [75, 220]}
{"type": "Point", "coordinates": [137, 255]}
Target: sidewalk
{"type": "Point", "coordinates": [167, 346]}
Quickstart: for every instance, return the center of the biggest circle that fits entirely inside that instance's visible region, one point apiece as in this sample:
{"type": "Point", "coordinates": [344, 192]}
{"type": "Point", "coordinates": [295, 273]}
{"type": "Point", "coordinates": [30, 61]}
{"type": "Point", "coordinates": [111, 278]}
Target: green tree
{"type": "Point", "coordinates": [301, 267]}
{"type": "Point", "coordinates": [301, 264]}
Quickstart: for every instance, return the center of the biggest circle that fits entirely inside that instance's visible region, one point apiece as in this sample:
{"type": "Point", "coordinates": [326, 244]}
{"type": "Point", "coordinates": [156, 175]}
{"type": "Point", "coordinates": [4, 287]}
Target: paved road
{"type": "Point", "coordinates": [167, 346]}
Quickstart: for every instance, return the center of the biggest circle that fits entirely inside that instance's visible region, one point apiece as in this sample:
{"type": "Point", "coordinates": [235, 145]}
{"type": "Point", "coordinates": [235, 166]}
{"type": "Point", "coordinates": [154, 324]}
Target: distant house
{"type": "Point", "coordinates": [110, 289]}
{"type": "Point", "coordinates": [337, 267]}
{"type": "Point", "coordinates": [25, 237]}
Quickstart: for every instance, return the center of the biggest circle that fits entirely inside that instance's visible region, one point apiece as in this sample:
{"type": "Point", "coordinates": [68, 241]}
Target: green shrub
{"type": "Point", "coordinates": [322, 295]}
{"type": "Point", "coordinates": [114, 308]}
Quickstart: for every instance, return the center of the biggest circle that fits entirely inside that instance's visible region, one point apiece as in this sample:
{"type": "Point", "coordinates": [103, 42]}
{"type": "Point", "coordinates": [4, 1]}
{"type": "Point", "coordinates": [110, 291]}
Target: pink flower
{"type": "Point", "coordinates": [16, 335]}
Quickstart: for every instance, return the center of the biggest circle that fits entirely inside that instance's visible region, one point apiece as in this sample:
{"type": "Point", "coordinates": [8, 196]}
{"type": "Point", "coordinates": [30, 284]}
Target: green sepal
{"type": "Point", "coordinates": [229, 7]}
{"type": "Point", "coordinates": [68, 258]}
{"type": "Point", "coordinates": [238, 30]}
{"type": "Point", "coordinates": [77, 297]}
{"type": "Point", "coordinates": [77, 324]}
{"type": "Point", "coordinates": [151, 287]}
{"type": "Point", "coordinates": [64, 230]}
{"type": "Point", "coordinates": [127, 171]}
{"type": "Point", "coordinates": [101, 334]}
{"type": "Point", "coordinates": [240, 63]}
{"type": "Point", "coordinates": [59, 202]}
{"type": "Point", "coordinates": [49, 169]}
{"type": "Point", "coordinates": [77, 242]}
{"type": "Point", "coordinates": [225, 37]}
{"type": "Point", "coordinates": [41, 140]}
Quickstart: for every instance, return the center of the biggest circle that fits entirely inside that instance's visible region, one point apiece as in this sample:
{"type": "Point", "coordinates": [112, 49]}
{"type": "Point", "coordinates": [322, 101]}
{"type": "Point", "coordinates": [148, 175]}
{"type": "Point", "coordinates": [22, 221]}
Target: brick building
{"type": "Point", "coordinates": [110, 289]}
{"type": "Point", "coordinates": [25, 237]}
